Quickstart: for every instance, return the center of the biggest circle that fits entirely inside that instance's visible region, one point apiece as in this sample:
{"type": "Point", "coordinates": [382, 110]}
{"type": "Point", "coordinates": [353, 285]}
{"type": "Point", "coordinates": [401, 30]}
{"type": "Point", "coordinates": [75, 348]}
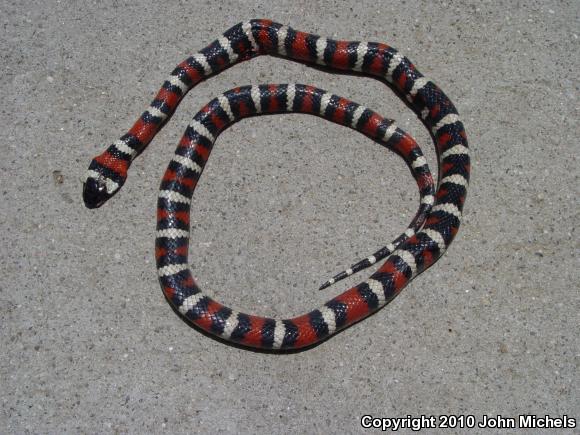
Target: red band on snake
{"type": "Point", "coordinates": [432, 230]}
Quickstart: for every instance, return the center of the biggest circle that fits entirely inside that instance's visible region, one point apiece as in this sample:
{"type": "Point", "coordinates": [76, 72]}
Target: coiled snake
{"type": "Point", "coordinates": [427, 237]}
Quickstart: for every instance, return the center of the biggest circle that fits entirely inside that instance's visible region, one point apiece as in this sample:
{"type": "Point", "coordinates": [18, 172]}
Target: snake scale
{"type": "Point", "coordinates": [428, 236]}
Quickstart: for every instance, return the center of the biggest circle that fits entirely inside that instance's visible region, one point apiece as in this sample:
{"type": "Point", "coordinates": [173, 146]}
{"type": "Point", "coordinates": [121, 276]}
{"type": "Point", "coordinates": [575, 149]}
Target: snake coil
{"type": "Point", "coordinates": [431, 231]}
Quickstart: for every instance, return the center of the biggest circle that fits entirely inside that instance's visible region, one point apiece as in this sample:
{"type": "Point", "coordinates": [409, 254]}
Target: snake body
{"type": "Point", "coordinates": [432, 230]}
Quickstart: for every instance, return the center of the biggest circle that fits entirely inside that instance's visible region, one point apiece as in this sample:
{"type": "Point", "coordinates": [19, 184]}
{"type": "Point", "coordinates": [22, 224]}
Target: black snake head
{"type": "Point", "coordinates": [96, 190]}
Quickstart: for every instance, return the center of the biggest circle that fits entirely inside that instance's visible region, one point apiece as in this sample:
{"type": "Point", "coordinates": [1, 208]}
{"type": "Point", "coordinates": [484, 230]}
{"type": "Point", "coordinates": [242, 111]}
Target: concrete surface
{"type": "Point", "coordinates": [90, 346]}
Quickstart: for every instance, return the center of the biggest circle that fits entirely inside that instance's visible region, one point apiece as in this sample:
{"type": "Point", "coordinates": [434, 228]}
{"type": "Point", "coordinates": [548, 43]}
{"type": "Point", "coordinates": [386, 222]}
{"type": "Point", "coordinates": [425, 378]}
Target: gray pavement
{"type": "Point", "coordinates": [88, 343]}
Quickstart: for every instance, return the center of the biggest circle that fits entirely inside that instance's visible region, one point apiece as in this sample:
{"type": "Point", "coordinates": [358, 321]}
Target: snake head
{"type": "Point", "coordinates": [97, 189]}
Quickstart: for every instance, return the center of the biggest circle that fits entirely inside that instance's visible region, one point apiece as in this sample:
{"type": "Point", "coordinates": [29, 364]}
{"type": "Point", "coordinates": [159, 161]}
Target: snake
{"type": "Point", "coordinates": [426, 239]}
